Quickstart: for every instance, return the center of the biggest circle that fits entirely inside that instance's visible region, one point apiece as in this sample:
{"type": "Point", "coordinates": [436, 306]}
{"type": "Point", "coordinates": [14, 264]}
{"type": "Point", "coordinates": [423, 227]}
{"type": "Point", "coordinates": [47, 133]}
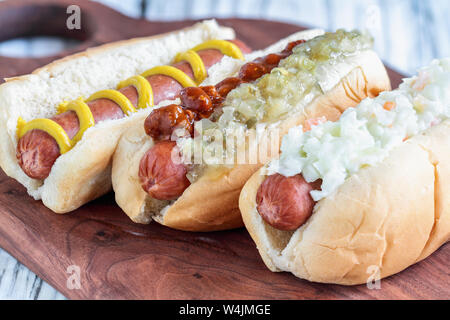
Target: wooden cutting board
{"type": "Point", "coordinates": [122, 260]}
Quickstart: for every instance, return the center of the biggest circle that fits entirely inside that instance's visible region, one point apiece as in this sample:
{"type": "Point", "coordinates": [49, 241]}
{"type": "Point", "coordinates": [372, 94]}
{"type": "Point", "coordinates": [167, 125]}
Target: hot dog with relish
{"type": "Point", "coordinates": [298, 79]}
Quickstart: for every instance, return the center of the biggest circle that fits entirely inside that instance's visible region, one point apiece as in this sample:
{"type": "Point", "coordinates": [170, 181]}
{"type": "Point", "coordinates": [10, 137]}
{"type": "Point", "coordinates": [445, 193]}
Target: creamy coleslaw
{"type": "Point", "coordinates": [364, 135]}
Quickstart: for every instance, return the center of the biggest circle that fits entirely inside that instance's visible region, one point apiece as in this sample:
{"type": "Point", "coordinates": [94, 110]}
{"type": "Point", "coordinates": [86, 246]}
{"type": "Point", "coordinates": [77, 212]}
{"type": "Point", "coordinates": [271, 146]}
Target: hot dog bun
{"type": "Point", "coordinates": [83, 173]}
{"type": "Point", "coordinates": [211, 203]}
{"type": "Point", "coordinates": [381, 220]}
{"type": "Point", "coordinates": [391, 216]}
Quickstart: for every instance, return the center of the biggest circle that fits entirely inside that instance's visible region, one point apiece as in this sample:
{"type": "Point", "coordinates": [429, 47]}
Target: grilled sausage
{"type": "Point", "coordinates": [161, 173]}
{"type": "Point", "coordinates": [285, 203]}
{"type": "Point", "coordinates": [202, 101]}
{"type": "Point", "coordinates": [37, 151]}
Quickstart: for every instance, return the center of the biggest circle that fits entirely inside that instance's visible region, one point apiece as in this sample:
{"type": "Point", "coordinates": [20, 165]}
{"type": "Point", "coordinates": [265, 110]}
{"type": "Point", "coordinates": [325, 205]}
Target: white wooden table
{"type": "Point", "coordinates": [408, 34]}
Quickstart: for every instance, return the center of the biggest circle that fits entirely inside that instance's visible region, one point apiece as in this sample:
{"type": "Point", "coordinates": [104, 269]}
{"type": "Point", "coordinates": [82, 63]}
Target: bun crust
{"type": "Point", "coordinates": [211, 203]}
{"type": "Point", "coordinates": [390, 216]}
{"type": "Point", "coordinates": [83, 173]}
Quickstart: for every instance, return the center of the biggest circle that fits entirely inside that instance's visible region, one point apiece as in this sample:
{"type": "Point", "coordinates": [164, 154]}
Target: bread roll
{"type": "Point", "coordinates": [84, 173]}
{"type": "Point", "coordinates": [211, 202]}
{"type": "Point", "coordinates": [386, 216]}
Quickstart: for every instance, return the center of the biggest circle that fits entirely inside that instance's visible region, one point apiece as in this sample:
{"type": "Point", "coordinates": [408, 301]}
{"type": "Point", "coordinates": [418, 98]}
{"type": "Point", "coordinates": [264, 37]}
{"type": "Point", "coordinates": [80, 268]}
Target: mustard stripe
{"type": "Point", "coordinates": [119, 98]}
{"type": "Point", "coordinates": [197, 65]}
{"type": "Point", "coordinates": [84, 114]}
{"type": "Point", "coordinates": [49, 126]}
{"type": "Point", "coordinates": [172, 72]}
{"type": "Point", "coordinates": [143, 88]}
{"type": "Point", "coordinates": [226, 47]}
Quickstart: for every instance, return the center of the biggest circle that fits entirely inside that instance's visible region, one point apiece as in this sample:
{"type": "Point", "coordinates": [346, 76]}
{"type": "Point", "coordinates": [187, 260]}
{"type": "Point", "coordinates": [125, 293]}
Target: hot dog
{"type": "Point", "coordinates": [161, 175]}
{"type": "Point", "coordinates": [369, 190]}
{"type": "Point", "coordinates": [196, 104]}
{"type": "Point", "coordinates": [297, 79]}
{"type": "Point", "coordinates": [285, 202]}
{"type": "Point", "coordinates": [63, 155]}
{"type": "Point", "coordinates": [37, 150]}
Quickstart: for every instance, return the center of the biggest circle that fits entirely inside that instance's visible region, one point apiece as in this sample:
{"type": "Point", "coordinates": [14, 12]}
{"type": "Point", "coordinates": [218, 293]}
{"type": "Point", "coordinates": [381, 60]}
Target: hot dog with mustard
{"type": "Point", "coordinates": [63, 154]}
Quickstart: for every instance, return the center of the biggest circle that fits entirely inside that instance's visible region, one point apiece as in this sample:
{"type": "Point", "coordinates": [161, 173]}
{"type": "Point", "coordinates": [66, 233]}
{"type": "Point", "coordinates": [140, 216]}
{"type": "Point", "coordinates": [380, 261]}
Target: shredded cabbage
{"type": "Point", "coordinates": [364, 136]}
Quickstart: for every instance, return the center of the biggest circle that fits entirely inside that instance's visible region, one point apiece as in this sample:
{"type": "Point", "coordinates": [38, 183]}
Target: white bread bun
{"type": "Point", "coordinates": [83, 173]}
{"type": "Point", "coordinates": [391, 216]}
{"type": "Point", "coordinates": [211, 203]}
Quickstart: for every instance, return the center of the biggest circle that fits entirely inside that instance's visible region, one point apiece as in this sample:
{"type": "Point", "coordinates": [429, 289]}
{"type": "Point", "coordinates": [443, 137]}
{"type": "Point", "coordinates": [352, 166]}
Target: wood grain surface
{"type": "Point", "coordinates": [119, 259]}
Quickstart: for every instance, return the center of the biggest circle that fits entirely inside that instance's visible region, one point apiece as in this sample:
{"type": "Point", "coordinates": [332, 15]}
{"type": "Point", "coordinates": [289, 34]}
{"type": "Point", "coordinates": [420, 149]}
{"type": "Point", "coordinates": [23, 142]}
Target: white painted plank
{"type": "Point", "coordinates": [130, 8]}
{"type": "Point", "coordinates": [17, 282]}
{"type": "Point", "coordinates": [404, 34]}
{"type": "Point", "coordinates": [441, 26]}
{"type": "Point", "coordinates": [342, 14]}
{"type": "Point", "coordinates": [199, 9]}
{"type": "Point", "coordinates": [427, 29]}
{"type": "Point", "coordinates": [312, 13]}
{"type": "Point", "coordinates": [35, 47]}
{"type": "Point", "coordinates": [251, 9]}
{"type": "Point", "coordinates": [14, 48]}
{"type": "Point", "coordinates": [167, 10]}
